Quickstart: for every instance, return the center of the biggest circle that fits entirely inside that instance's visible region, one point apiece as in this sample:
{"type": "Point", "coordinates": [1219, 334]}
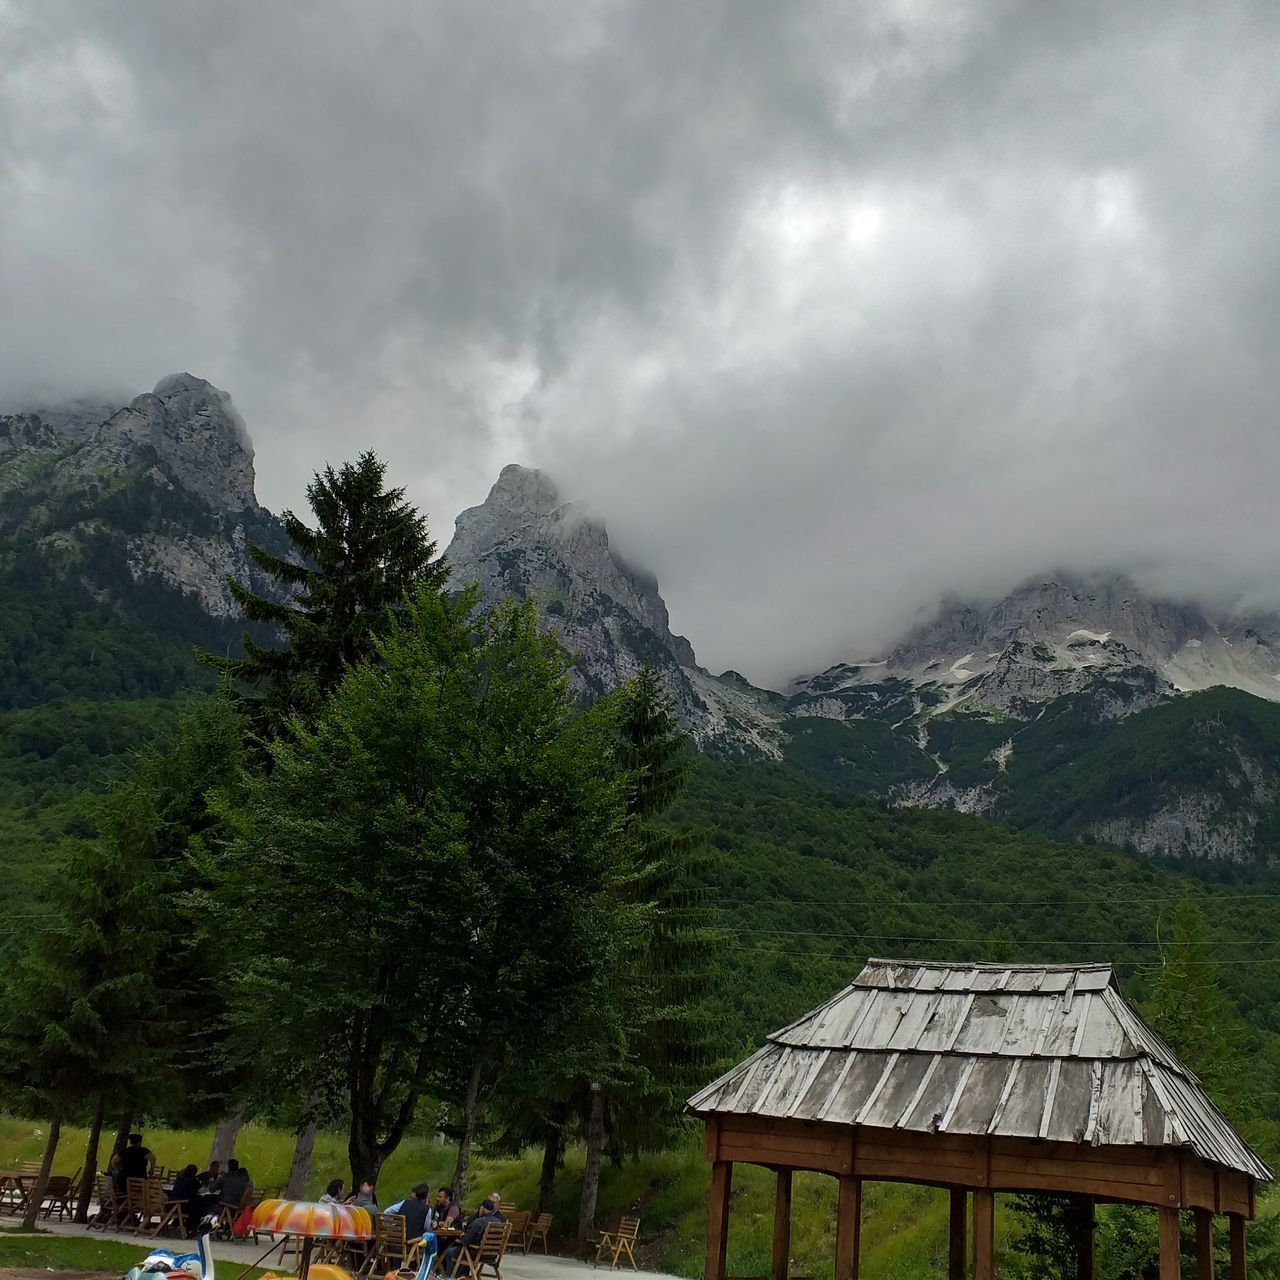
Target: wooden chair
{"type": "Point", "coordinates": [228, 1213]}
{"type": "Point", "coordinates": [111, 1205]}
{"type": "Point", "coordinates": [30, 1168]}
{"type": "Point", "coordinates": [619, 1242]}
{"type": "Point", "coordinates": [487, 1252]}
{"type": "Point", "coordinates": [168, 1214]}
{"type": "Point", "coordinates": [57, 1195]}
{"type": "Point", "coordinates": [135, 1195]}
{"type": "Point", "coordinates": [388, 1250]}
{"type": "Point", "coordinates": [519, 1220]}
{"type": "Point", "coordinates": [538, 1229]}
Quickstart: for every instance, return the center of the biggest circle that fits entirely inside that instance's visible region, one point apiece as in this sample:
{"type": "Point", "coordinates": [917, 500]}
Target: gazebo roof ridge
{"type": "Point", "coordinates": [1027, 1051]}
{"type": "Point", "coordinates": [982, 1078]}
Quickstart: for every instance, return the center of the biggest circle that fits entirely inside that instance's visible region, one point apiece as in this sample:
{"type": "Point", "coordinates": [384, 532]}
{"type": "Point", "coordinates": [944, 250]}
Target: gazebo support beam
{"type": "Point", "coordinates": [718, 1219]}
{"type": "Point", "coordinates": [782, 1227]}
{"type": "Point", "coordinates": [984, 1235]}
{"type": "Point", "coordinates": [1170, 1244]}
{"type": "Point", "coordinates": [1204, 1245]}
{"type": "Point", "coordinates": [1087, 1245]}
{"type": "Point", "coordinates": [1238, 1270]}
{"type": "Point", "coordinates": [848, 1227]}
{"type": "Point", "coordinates": [959, 1234]}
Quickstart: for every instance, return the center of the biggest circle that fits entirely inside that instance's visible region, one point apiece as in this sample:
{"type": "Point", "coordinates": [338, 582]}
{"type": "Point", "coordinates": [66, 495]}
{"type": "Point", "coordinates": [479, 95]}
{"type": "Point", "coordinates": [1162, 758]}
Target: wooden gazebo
{"type": "Point", "coordinates": [980, 1078]}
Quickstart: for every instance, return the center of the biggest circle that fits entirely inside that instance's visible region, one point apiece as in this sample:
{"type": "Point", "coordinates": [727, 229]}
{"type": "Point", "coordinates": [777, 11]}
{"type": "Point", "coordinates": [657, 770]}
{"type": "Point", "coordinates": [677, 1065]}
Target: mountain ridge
{"type": "Point", "coordinates": [1076, 703]}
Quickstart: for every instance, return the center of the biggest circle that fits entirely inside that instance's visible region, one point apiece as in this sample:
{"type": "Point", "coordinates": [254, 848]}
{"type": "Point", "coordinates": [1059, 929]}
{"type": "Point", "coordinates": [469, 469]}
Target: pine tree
{"type": "Point", "coordinates": [347, 578]}
{"type": "Point", "coordinates": [669, 1044]}
{"type": "Point", "coordinates": [1192, 1012]}
{"type": "Point", "coordinates": [82, 1010]}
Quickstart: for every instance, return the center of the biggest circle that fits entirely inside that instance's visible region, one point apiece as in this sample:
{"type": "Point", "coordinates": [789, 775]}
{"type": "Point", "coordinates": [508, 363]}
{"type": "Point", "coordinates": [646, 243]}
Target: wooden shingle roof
{"type": "Point", "coordinates": [1026, 1051]}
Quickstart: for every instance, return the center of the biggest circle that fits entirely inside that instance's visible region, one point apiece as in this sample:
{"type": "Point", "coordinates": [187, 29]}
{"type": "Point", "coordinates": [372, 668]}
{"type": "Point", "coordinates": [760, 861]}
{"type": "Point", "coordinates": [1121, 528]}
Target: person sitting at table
{"type": "Point", "coordinates": [333, 1192]}
{"type": "Point", "coordinates": [365, 1198]}
{"type": "Point", "coordinates": [186, 1187]}
{"type": "Point", "coordinates": [236, 1184]}
{"type": "Point", "coordinates": [414, 1211]}
{"type": "Point", "coordinates": [446, 1211]}
{"type": "Point", "coordinates": [211, 1178]}
{"type": "Point", "coordinates": [135, 1162]}
{"type": "Point", "coordinates": [473, 1234]}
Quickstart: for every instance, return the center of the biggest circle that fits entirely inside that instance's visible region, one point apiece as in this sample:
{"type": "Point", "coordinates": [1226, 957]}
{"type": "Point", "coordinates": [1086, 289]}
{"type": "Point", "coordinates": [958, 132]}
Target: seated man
{"type": "Point", "coordinates": [446, 1212]}
{"type": "Point", "coordinates": [414, 1211]}
{"type": "Point", "coordinates": [211, 1178]}
{"type": "Point", "coordinates": [472, 1235]}
{"type": "Point", "coordinates": [235, 1184]}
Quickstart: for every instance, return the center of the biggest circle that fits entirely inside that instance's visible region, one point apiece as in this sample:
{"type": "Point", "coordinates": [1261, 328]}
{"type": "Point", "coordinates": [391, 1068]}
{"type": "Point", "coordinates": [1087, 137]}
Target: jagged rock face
{"type": "Point", "coordinates": [1051, 638]}
{"type": "Point", "coordinates": [169, 478]}
{"type": "Point", "coordinates": [526, 541]}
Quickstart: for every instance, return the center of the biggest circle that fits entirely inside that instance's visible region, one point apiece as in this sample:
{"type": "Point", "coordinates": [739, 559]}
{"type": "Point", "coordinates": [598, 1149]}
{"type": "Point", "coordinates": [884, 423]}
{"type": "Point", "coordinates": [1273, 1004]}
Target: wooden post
{"type": "Point", "coordinates": [959, 1234]}
{"type": "Point", "coordinates": [1086, 1246]}
{"type": "Point", "coordinates": [1204, 1245]}
{"type": "Point", "coordinates": [984, 1235]}
{"type": "Point", "coordinates": [782, 1227]}
{"type": "Point", "coordinates": [1236, 1223]}
{"type": "Point", "coordinates": [848, 1227]}
{"type": "Point", "coordinates": [1170, 1245]}
{"type": "Point", "coordinates": [718, 1219]}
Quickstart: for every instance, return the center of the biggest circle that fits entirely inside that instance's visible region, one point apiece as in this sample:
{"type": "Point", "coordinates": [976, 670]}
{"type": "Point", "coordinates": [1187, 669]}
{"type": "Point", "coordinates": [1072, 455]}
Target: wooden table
{"type": "Point", "coordinates": [14, 1192]}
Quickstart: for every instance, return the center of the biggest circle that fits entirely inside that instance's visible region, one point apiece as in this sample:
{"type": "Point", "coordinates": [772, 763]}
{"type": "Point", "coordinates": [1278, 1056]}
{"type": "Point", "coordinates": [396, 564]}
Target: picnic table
{"type": "Point", "coordinates": [15, 1190]}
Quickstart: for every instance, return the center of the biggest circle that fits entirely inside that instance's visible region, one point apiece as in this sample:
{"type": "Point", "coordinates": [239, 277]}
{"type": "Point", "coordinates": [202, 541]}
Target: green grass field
{"type": "Point", "coordinates": [903, 1237]}
{"type": "Point", "coordinates": [75, 1253]}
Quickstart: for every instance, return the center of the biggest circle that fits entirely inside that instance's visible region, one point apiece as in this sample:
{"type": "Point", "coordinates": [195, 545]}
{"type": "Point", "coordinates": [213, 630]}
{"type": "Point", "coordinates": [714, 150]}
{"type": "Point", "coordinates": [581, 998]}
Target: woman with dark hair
{"type": "Point", "coordinates": [186, 1187]}
{"type": "Point", "coordinates": [332, 1193]}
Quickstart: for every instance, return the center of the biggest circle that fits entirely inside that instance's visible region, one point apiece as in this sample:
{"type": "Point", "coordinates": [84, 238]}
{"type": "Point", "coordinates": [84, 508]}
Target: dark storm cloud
{"type": "Point", "coordinates": [830, 309]}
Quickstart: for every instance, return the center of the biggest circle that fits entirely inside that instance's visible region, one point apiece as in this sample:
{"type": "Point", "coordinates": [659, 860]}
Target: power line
{"type": "Point", "coordinates": [1109, 900]}
{"type": "Point", "coordinates": [1039, 942]}
{"type": "Point", "coordinates": [834, 957]}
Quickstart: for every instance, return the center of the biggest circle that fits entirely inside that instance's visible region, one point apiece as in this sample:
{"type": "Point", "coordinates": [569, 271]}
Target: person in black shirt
{"type": "Point", "coordinates": [135, 1162]}
{"type": "Point", "coordinates": [414, 1212]}
{"type": "Point", "coordinates": [236, 1183]}
{"type": "Point", "coordinates": [186, 1187]}
{"type": "Point", "coordinates": [473, 1234]}
{"type": "Point", "coordinates": [211, 1178]}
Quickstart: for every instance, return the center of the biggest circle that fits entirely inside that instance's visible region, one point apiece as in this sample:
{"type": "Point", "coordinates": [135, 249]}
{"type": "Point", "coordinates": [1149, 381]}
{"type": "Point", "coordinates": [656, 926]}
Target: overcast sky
{"type": "Point", "coordinates": [828, 308]}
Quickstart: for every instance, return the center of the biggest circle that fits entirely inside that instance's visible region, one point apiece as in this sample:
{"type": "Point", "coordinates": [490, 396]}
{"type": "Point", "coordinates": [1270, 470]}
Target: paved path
{"type": "Point", "coordinates": [515, 1266]}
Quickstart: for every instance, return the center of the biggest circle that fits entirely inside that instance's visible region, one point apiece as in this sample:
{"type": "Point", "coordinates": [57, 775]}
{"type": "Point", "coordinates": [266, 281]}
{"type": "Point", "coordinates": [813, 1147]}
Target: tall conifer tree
{"type": "Point", "coordinates": [348, 577]}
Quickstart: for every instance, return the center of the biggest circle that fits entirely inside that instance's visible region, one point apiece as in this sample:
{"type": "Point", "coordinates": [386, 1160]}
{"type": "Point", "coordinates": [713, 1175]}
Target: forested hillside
{"type": "Point", "coordinates": [811, 884]}
{"type": "Point", "coordinates": [1197, 776]}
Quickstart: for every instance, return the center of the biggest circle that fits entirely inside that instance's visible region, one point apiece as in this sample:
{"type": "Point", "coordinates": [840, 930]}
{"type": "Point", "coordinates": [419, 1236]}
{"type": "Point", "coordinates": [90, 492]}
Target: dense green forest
{"type": "Point", "coordinates": [811, 884]}
{"type": "Point", "coordinates": [1068, 770]}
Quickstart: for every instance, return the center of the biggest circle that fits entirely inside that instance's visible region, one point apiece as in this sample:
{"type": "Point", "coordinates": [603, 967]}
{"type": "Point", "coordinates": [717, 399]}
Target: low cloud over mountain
{"type": "Point", "coordinates": [833, 309]}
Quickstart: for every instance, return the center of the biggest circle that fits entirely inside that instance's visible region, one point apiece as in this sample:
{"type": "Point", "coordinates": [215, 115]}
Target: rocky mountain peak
{"type": "Point", "coordinates": [165, 484]}
{"type": "Point", "coordinates": [198, 436]}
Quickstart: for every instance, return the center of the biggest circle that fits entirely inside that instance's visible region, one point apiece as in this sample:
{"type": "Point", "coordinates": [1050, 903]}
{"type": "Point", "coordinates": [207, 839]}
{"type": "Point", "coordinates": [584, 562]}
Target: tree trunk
{"type": "Point", "coordinates": [591, 1167]}
{"type": "Point", "coordinates": [366, 1162]}
{"type": "Point", "coordinates": [552, 1150]}
{"type": "Point", "coordinates": [123, 1130]}
{"type": "Point", "coordinates": [300, 1170]}
{"type": "Point", "coordinates": [42, 1178]}
{"type": "Point", "coordinates": [90, 1175]}
{"type": "Point", "coordinates": [224, 1137]}
{"type": "Point", "coordinates": [470, 1107]}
